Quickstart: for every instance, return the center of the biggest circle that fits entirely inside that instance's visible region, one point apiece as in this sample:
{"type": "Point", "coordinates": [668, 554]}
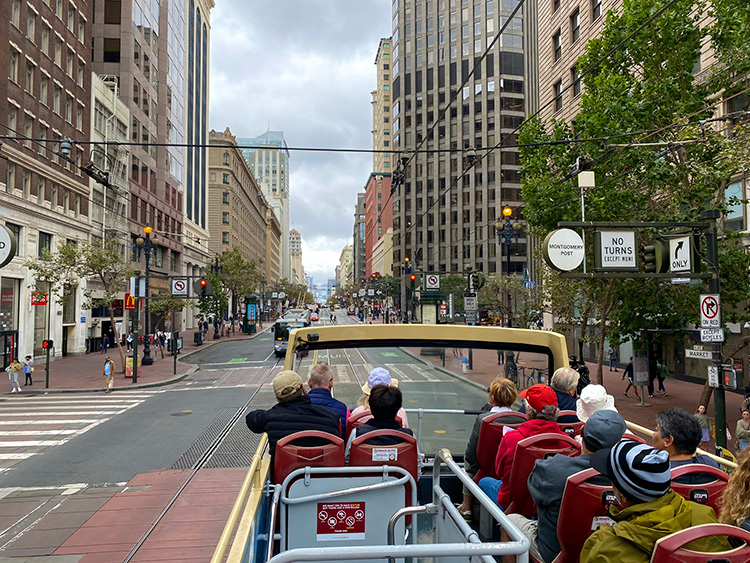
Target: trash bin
{"type": "Point", "coordinates": [252, 329]}
{"type": "Point", "coordinates": [198, 338]}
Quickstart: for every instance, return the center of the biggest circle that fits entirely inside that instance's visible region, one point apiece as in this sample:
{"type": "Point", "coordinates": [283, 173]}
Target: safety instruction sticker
{"type": "Point", "coordinates": [341, 521]}
{"type": "Point", "coordinates": [384, 454]}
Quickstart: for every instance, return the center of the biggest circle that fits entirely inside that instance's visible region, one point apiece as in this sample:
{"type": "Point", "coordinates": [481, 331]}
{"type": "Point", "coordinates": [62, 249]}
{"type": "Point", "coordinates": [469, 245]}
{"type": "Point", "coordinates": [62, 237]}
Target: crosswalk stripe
{"type": "Point", "coordinates": [343, 374]}
{"type": "Point", "coordinates": [426, 373]}
{"type": "Point", "coordinates": [31, 443]}
{"type": "Point", "coordinates": [48, 422]}
{"type": "Point", "coordinates": [63, 413]}
{"type": "Point", "coordinates": [38, 432]}
{"type": "Point", "coordinates": [25, 455]}
{"type": "Point", "coordinates": [52, 407]}
{"type": "Point", "coordinates": [401, 375]}
{"type": "Point", "coordinates": [72, 403]}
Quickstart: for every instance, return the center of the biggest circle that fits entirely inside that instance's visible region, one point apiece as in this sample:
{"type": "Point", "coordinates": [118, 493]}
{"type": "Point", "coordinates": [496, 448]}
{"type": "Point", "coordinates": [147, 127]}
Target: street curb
{"type": "Point", "coordinates": [174, 379]}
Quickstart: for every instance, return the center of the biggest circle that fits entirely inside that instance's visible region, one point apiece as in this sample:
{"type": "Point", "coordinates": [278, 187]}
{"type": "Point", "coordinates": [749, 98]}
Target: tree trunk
{"type": "Point", "coordinates": [599, 378]}
{"type": "Point", "coordinates": [118, 337]}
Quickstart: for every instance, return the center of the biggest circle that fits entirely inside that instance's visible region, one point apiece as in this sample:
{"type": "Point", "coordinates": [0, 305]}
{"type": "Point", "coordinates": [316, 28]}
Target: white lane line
{"type": "Point", "coordinates": [32, 443]}
{"type": "Point", "coordinates": [401, 375]}
{"type": "Point", "coordinates": [26, 455]}
{"type": "Point", "coordinates": [63, 413]}
{"type": "Point", "coordinates": [57, 407]}
{"type": "Point", "coordinates": [60, 400]}
{"type": "Point", "coordinates": [48, 422]}
{"type": "Point", "coordinates": [343, 374]}
{"type": "Point", "coordinates": [425, 373]}
{"type": "Point", "coordinates": [38, 432]}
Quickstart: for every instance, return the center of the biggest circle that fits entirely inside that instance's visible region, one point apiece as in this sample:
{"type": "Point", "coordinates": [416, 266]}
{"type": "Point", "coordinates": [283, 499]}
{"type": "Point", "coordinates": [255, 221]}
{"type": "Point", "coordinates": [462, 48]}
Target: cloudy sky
{"type": "Point", "coordinates": [306, 67]}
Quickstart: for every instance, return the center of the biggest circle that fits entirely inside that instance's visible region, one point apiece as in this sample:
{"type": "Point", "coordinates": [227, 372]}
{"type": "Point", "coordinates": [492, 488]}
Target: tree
{"type": "Point", "coordinates": [105, 266]}
{"type": "Point", "coordinates": [645, 92]}
{"type": "Point", "coordinates": [215, 303]}
{"type": "Point", "coordinates": [238, 276]}
{"type": "Point", "coordinates": [524, 307]}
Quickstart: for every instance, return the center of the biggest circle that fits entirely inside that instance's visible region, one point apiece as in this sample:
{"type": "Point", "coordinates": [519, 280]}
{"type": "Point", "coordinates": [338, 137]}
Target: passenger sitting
{"type": "Point", "coordinates": [502, 394]}
{"type": "Point", "coordinates": [540, 403]}
{"type": "Point", "coordinates": [594, 398]}
{"type": "Point", "coordinates": [378, 376]}
{"type": "Point", "coordinates": [648, 511]}
{"type": "Point", "coordinates": [293, 413]}
{"type": "Point", "coordinates": [321, 384]}
{"type": "Point", "coordinates": [565, 382]}
{"type": "Point", "coordinates": [547, 483]}
{"type": "Point", "coordinates": [735, 501]}
{"type": "Point", "coordinates": [679, 434]}
{"type": "Point", "coordinates": [385, 402]}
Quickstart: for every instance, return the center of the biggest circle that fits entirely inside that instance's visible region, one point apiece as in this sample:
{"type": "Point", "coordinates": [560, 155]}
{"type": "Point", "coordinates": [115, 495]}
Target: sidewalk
{"type": "Point", "coordinates": [84, 372]}
{"type": "Point", "coordinates": [682, 394]}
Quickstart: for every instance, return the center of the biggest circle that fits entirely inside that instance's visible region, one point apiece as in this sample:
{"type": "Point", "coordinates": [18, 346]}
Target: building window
{"type": "Point", "coordinates": [10, 178]}
{"type": "Point", "coordinates": [45, 244]}
{"type": "Point", "coordinates": [30, 69]}
{"type": "Point", "coordinates": [735, 215]}
{"type": "Point", "coordinates": [225, 178]}
{"type": "Point", "coordinates": [225, 217]}
{"type": "Point", "coordinates": [575, 26]}
{"type": "Point", "coordinates": [15, 12]}
{"type": "Point", "coordinates": [16, 230]}
{"type": "Point", "coordinates": [45, 40]}
{"type": "Point", "coordinates": [56, 100]}
{"type": "Point", "coordinates": [81, 29]}
{"type": "Point", "coordinates": [555, 5]}
{"type": "Point", "coordinates": [225, 237]}
{"type": "Point", "coordinates": [13, 65]}
{"type": "Point", "coordinates": [31, 25]}
{"type": "Point", "coordinates": [44, 90]}
{"type": "Point", "coordinates": [596, 9]}
{"type": "Point", "coordinates": [557, 44]}
{"type": "Point", "coordinates": [575, 81]}
{"type": "Point", "coordinates": [225, 160]}
{"type": "Point", "coordinates": [225, 197]}
{"type": "Point", "coordinates": [557, 89]}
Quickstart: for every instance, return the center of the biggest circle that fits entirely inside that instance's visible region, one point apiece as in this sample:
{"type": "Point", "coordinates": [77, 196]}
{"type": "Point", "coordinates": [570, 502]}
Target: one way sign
{"type": "Point", "coordinates": [680, 254]}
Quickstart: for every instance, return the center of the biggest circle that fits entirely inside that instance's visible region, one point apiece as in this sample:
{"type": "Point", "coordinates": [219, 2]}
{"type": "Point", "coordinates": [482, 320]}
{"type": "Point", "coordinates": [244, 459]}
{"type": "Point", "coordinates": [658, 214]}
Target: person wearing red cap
{"type": "Point", "coordinates": [541, 408]}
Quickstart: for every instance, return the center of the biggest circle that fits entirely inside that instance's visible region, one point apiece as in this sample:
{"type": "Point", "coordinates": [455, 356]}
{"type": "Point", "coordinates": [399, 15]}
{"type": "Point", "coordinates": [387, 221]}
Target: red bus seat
{"type": "Point", "coordinates": [490, 434]}
{"type": "Point", "coordinates": [328, 452]}
{"type": "Point", "coordinates": [671, 548]}
{"type": "Point", "coordinates": [702, 493]}
{"type": "Point", "coordinates": [583, 503]}
{"type": "Point", "coordinates": [358, 420]}
{"type": "Point", "coordinates": [572, 429]}
{"type": "Point", "coordinates": [528, 451]}
{"type": "Point", "coordinates": [361, 453]}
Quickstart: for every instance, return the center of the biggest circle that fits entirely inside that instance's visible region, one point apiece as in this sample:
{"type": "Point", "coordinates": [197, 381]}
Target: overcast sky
{"type": "Point", "coordinates": [306, 67]}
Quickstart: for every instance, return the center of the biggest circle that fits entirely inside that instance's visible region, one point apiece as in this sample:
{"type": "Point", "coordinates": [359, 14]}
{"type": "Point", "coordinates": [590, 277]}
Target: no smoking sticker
{"type": "Point", "coordinates": [341, 521]}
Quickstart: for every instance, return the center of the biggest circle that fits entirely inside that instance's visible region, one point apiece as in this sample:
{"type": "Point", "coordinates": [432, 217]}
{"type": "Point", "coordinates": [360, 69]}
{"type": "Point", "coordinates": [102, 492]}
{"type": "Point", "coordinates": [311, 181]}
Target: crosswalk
{"type": "Point", "coordinates": [410, 373]}
{"type": "Point", "coordinates": [29, 424]}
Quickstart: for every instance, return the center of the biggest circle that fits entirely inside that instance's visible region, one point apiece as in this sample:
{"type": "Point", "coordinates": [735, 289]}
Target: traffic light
{"type": "Point", "coordinates": [656, 257]}
{"type": "Point", "coordinates": [407, 265]}
{"type": "Point", "coordinates": [730, 377]}
{"type": "Point", "coordinates": [413, 280]}
{"type": "Point", "coordinates": [202, 287]}
{"type": "Point", "coordinates": [476, 280]}
{"type": "Point", "coordinates": [47, 344]}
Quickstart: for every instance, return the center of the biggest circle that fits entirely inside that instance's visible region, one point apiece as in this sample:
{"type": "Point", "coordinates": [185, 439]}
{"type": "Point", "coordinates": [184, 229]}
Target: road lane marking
{"type": "Point", "coordinates": [343, 374]}
{"type": "Point", "coordinates": [32, 443]}
{"type": "Point", "coordinates": [48, 422]}
{"type": "Point", "coordinates": [37, 432]}
{"type": "Point", "coordinates": [401, 375]}
{"type": "Point", "coordinates": [425, 373]}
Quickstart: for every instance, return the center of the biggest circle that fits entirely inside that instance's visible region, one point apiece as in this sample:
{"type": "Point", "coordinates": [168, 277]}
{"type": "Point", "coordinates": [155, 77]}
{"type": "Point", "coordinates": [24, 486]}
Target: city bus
{"type": "Point", "coordinates": [281, 329]}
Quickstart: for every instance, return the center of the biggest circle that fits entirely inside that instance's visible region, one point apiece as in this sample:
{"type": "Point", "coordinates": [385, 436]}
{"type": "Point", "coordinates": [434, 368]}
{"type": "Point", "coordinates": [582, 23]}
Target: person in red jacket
{"type": "Point", "coordinates": [541, 408]}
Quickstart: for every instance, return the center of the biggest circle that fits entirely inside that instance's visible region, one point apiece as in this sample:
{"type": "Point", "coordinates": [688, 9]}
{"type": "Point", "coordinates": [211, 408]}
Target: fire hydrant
{"type": "Point", "coordinates": [465, 365]}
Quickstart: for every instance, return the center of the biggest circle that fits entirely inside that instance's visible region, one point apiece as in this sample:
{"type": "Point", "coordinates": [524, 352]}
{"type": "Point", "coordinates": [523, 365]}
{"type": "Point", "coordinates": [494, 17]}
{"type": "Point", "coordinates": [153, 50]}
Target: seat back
{"type": "Point", "coordinates": [403, 454]}
{"type": "Point", "coordinates": [572, 429]}
{"type": "Point", "coordinates": [671, 548]}
{"type": "Point", "coordinates": [528, 451]}
{"type": "Point", "coordinates": [358, 420]}
{"type": "Point", "coordinates": [582, 510]}
{"type": "Point", "coordinates": [707, 493]}
{"type": "Point", "coordinates": [311, 448]}
{"type": "Point", "coordinates": [490, 434]}
{"type": "Point", "coordinates": [634, 437]}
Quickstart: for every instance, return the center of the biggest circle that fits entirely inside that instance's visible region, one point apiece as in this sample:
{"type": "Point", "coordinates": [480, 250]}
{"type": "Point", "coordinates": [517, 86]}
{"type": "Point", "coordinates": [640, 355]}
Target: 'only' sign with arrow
{"type": "Point", "coordinates": [680, 255]}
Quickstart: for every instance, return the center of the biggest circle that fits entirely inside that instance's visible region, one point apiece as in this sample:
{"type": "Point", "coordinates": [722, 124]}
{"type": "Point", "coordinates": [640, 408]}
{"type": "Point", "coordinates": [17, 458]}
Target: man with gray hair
{"type": "Point", "coordinates": [564, 383]}
{"type": "Point", "coordinates": [679, 434]}
{"type": "Point", "coordinates": [321, 384]}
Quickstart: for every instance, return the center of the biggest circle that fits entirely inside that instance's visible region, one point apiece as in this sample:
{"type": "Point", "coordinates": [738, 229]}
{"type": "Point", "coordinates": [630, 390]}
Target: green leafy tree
{"type": "Point", "coordinates": [648, 86]}
{"type": "Point", "coordinates": [215, 303]}
{"type": "Point", "coordinates": [524, 307]}
{"type": "Point", "coordinates": [238, 276]}
{"type": "Point", "coordinates": [104, 266]}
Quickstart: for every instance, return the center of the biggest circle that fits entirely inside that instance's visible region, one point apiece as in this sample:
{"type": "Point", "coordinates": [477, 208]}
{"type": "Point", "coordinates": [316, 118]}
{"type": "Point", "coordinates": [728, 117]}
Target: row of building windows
{"type": "Point", "coordinates": [575, 27]}
{"type": "Point", "coordinates": [36, 188]}
{"type": "Point", "coordinates": [70, 17]}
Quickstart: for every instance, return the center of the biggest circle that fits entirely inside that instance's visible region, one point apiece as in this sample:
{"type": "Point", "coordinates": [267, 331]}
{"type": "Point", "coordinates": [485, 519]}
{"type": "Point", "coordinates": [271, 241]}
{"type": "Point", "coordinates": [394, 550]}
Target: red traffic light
{"type": "Point", "coordinates": [203, 283]}
{"type": "Point", "coordinates": [46, 344]}
{"type": "Point", "coordinates": [413, 278]}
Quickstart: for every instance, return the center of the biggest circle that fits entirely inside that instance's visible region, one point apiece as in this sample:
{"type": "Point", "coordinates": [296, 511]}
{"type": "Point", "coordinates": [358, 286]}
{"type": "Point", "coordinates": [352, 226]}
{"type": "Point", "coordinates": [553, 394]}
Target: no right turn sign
{"type": "Point", "coordinates": [710, 311]}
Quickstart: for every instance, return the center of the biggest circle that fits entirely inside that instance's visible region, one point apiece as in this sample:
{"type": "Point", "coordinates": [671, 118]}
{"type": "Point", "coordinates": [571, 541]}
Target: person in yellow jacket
{"type": "Point", "coordinates": [649, 509]}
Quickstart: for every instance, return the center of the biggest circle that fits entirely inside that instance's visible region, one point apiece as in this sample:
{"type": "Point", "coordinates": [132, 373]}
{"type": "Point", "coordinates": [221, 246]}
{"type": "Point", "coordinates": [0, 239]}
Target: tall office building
{"type": "Point", "coordinates": [445, 212]}
{"type": "Point", "coordinates": [45, 94]}
{"type": "Point", "coordinates": [268, 157]}
{"type": "Point", "coordinates": [358, 247]}
{"type": "Point", "coordinates": [381, 110]}
{"type": "Point", "coordinates": [295, 252]}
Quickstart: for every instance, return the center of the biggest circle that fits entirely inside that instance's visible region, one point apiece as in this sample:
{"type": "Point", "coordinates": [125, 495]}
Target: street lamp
{"type": "Point", "coordinates": [148, 244]}
{"type": "Point", "coordinates": [506, 231]}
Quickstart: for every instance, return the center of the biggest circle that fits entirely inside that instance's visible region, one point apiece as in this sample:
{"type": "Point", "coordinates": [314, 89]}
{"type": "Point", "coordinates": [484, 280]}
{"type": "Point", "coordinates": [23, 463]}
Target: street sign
{"type": "Point", "coordinates": [38, 298]}
{"type": "Point", "coordinates": [370, 292]}
{"type": "Point", "coordinates": [470, 301]}
{"type": "Point", "coordinates": [680, 254]}
{"type": "Point", "coordinates": [470, 316]}
{"type": "Point", "coordinates": [8, 245]}
{"type": "Point", "coordinates": [129, 302]}
{"type": "Point", "coordinates": [616, 250]}
{"type": "Point", "coordinates": [274, 295]}
{"type": "Point", "coordinates": [362, 292]}
{"type": "Point", "coordinates": [282, 295]}
{"type": "Point", "coordinates": [179, 287]}
{"type": "Point", "coordinates": [563, 250]}
{"type": "Point", "coordinates": [379, 292]}
{"type": "Point", "coordinates": [432, 281]}
{"type": "Point", "coordinates": [676, 281]}
{"type": "Point", "coordinates": [713, 376]}
{"type": "Point", "coordinates": [712, 335]}
{"type": "Point", "coordinates": [710, 311]}
{"type": "Point", "coordinates": [698, 354]}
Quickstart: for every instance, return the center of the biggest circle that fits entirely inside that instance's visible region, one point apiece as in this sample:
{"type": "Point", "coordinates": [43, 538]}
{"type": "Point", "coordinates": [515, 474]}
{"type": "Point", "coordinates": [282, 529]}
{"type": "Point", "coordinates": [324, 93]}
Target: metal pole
{"type": "Point", "coordinates": [135, 357]}
{"type": "Point", "coordinates": [46, 370]}
{"type": "Point", "coordinates": [147, 359]}
{"type": "Point", "coordinates": [175, 350]}
{"type": "Point", "coordinates": [712, 256]}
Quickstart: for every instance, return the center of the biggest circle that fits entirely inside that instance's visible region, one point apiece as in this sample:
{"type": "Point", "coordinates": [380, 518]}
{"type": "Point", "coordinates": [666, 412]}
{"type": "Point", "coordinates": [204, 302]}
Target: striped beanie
{"type": "Point", "coordinates": [641, 472]}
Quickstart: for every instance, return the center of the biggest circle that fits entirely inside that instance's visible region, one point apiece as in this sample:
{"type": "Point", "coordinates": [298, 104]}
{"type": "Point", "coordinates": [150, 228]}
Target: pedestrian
{"type": "Point", "coordinates": [746, 400]}
{"type": "Point", "coordinates": [702, 419]}
{"type": "Point", "coordinates": [13, 370]}
{"type": "Point", "coordinates": [28, 369]}
{"type": "Point", "coordinates": [612, 357]}
{"type": "Point", "coordinates": [742, 432]}
{"type": "Point", "coordinates": [500, 357]}
{"type": "Point", "coordinates": [109, 373]}
{"type": "Point", "coordinates": [661, 374]}
{"type": "Point", "coordinates": [629, 374]}
{"type": "Point", "coordinates": [105, 343]}
{"type": "Point", "coordinates": [129, 341]}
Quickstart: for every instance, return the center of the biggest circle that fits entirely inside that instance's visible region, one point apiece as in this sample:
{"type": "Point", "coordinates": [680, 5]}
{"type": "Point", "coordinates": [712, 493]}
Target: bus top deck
{"type": "Point", "coordinates": [382, 508]}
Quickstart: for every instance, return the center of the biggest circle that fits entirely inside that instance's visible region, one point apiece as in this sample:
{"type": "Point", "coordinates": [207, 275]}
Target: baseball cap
{"type": "Point", "coordinates": [379, 376]}
{"type": "Point", "coordinates": [603, 429]}
{"type": "Point", "coordinates": [539, 396]}
{"type": "Point", "coordinates": [593, 398]}
{"type": "Point", "coordinates": [638, 470]}
{"type": "Point", "coordinates": [286, 383]}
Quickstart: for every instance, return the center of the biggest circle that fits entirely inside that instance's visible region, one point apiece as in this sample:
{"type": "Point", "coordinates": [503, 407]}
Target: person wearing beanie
{"type": "Point", "coordinates": [648, 509]}
{"type": "Point", "coordinates": [540, 403]}
{"type": "Point", "coordinates": [293, 412]}
{"type": "Point", "coordinates": [603, 429]}
{"type": "Point", "coordinates": [378, 376]}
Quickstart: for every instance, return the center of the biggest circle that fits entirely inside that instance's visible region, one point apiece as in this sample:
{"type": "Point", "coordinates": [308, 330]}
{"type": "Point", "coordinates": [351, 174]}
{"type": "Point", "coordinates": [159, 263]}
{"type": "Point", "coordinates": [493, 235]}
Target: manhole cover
{"type": "Point", "coordinates": [182, 413]}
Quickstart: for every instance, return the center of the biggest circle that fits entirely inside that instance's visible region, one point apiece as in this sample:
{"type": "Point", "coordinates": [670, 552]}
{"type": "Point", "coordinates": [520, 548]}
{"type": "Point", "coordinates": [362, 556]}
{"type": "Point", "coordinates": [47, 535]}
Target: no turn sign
{"type": "Point", "coordinates": [432, 281]}
{"type": "Point", "coordinates": [710, 311]}
{"type": "Point", "coordinates": [179, 286]}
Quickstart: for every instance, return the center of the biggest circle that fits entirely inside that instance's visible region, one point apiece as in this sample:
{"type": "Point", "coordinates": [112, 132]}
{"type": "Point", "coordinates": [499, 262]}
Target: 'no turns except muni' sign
{"type": "Point", "coordinates": [563, 250]}
{"type": "Point", "coordinates": [616, 250]}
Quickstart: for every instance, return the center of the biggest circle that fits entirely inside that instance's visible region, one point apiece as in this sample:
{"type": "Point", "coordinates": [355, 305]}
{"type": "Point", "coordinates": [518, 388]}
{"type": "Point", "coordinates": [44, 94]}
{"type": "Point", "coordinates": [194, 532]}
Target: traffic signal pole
{"type": "Point", "coordinates": [46, 368]}
{"type": "Point", "coordinates": [712, 257]}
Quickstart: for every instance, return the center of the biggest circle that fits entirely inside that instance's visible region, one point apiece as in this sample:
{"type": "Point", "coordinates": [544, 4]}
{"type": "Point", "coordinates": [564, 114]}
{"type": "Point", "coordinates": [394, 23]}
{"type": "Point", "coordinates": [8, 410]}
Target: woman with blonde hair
{"type": "Point", "coordinates": [502, 394]}
{"type": "Point", "coordinates": [735, 502]}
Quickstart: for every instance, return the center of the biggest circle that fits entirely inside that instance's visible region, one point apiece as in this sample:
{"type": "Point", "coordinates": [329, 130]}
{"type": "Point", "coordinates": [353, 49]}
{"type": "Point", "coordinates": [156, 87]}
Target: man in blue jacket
{"type": "Point", "coordinates": [321, 383]}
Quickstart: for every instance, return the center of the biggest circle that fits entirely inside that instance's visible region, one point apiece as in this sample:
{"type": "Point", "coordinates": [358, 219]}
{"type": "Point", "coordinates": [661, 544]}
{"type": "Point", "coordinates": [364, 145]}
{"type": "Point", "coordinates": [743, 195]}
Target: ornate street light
{"type": "Point", "coordinates": [148, 244]}
{"type": "Point", "coordinates": [506, 231]}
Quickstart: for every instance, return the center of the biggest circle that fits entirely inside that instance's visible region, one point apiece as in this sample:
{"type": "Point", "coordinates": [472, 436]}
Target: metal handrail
{"type": "Point", "coordinates": [272, 520]}
{"type": "Point", "coordinates": [231, 524]}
